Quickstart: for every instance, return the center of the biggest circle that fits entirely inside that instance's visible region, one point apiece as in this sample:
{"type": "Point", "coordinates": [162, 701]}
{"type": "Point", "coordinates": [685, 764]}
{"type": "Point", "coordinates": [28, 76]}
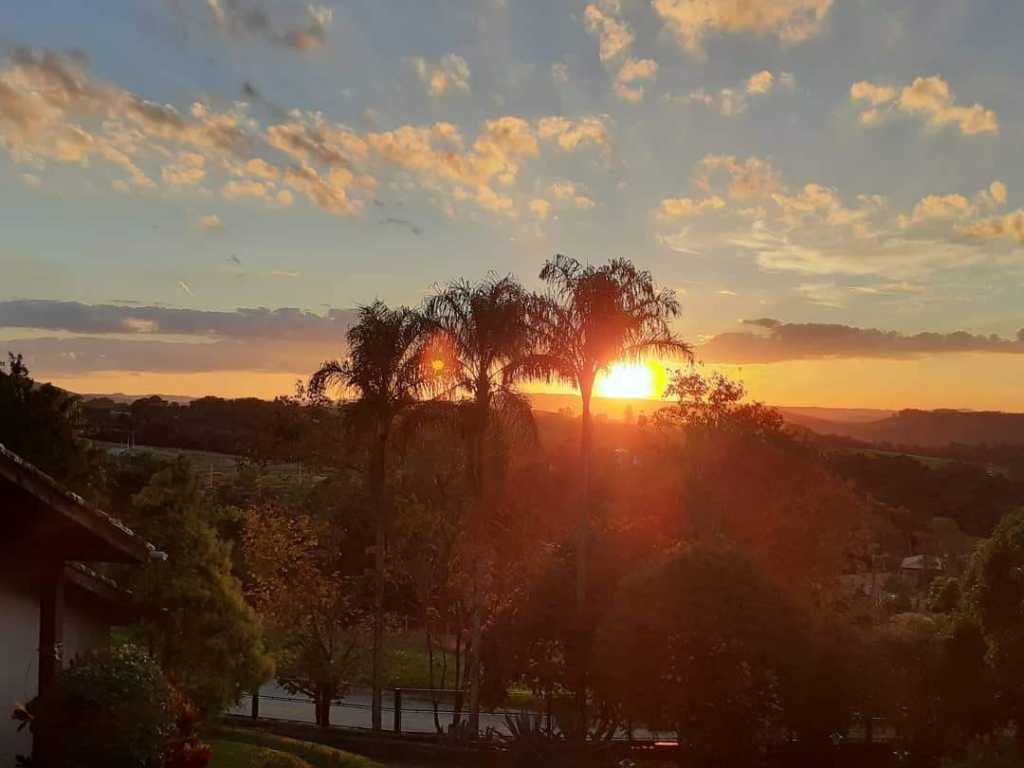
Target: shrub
{"type": "Point", "coordinates": [109, 709]}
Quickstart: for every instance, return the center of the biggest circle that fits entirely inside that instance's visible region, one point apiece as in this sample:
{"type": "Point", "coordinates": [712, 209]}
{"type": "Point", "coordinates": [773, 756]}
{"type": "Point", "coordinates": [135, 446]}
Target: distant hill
{"type": "Point", "coordinates": [121, 397]}
{"type": "Point", "coordinates": [907, 427]}
{"type": "Point", "coordinates": [925, 428]}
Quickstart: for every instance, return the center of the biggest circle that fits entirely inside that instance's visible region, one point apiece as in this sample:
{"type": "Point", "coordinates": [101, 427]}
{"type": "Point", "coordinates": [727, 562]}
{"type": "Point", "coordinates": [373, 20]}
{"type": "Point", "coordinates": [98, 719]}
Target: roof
{"type": "Point", "coordinates": [921, 563]}
{"type": "Point", "coordinates": [42, 513]}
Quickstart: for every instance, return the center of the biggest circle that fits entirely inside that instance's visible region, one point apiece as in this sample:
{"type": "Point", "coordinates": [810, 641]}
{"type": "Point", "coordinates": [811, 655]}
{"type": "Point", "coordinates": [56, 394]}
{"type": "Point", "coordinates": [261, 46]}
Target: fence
{"type": "Point", "coordinates": [410, 711]}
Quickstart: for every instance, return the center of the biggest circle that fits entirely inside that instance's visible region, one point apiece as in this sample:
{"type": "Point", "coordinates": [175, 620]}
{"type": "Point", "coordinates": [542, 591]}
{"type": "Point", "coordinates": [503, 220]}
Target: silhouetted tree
{"type": "Point", "coordinates": [591, 317]}
{"type": "Point", "coordinates": [41, 423]}
{"type": "Point", "coordinates": [385, 371]}
{"type": "Point", "coordinates": [480, 337]}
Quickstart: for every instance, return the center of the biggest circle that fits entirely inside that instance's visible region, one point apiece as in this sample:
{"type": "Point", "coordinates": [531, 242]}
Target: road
{"type": "Point", "coordinates": [354, 710]}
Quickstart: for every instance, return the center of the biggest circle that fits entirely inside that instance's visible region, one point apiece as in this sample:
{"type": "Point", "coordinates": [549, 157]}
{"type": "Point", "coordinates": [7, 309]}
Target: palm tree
{"type": "Point", "coordinates": [482, 333]}
{"type": "Point", "coordinates": [385, 370]}
{"type": "Point", "coordinates": [589, 318]}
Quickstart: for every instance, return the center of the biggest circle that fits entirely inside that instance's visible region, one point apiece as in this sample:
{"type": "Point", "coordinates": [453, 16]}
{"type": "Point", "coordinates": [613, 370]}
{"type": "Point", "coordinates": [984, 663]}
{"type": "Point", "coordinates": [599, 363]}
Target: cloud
{"type": "Point", "coordinates": [451, 71]}
{"type": "Point", "coordinates": [791, 21]}
{"type": "Point", "coordinates": [685, 207]}
{"type": "Point", "coordinates": [771, 341]}
{"type": "Point", "coordinates": [613, 34]}
{"type": "Point", "coordinates": [632, 73]}
{"type": "Point", "coordinates": [540, 208]}
{"type": "Point", "coordinates": [250, 19]}
{"type": "Point", "coordinates": [929, 98]}
{"type": "Point", "coordinates": [211, 223]}
{"type": "Point", "coordinates": [572, 194]}
{"type": "Point", "coordinates": [761, 83]}
{"type": "Point", "coordinates": [812, 230]}
{"type": "Point", "coordinates": [107, 319]}
{"type": "Point", "coordinates": [235, 190]}
{"type": "Point", "coordinates": [1008, 227]}
{"type": "Point", "coordinates": [569, 135]}
{"type": "Point", "coordinates": [749, 179]}
{"type": "Point", "coordinates": [188, 171]}
{"type": "Point", "coordinates": [954, 207]}
{"type": "Point", "coordinates": [733, 101]}
{"type": "Point", "coordinates": [53, 111]}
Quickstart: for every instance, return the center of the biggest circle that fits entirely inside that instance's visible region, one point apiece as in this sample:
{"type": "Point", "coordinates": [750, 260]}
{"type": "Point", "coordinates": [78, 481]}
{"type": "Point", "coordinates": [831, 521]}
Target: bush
{"type": "Point", "coordinates": [109, 709]}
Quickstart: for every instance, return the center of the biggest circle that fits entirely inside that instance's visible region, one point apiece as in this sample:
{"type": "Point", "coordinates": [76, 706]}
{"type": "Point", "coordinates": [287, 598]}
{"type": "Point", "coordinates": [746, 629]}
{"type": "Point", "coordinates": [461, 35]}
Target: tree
{"type": "Point", "coordinates": [589, 318]}
{"type": "Point", "coordinates": [701, 643]}
{"type": "Point", "coordinates": [196, 622]}
{"type": "Point", "coordinates": [386, 370]}
{"type": "Point", "coordinates": [993, 596]}
{"type": "Point", "coordinates": [307, 604]}
{"type": "Point", "coordinates": [715, 403]}
{"type": "Point", "coordinates": [41, 423]}
{"type": "Point", "coordinates": [481, 335]}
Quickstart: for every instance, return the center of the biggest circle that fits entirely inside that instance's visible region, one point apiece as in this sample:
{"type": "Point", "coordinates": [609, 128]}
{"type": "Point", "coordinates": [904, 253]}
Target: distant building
{"type": "Point", "coordinates": [918, 570]}
{"type": "Point", "coordinates": [53, 606]}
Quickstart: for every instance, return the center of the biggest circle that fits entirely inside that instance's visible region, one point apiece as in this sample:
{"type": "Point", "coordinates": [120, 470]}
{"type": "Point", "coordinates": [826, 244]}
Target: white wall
{"type": "Point", "coordinates": [19, 661]}
{"type": "Point", "coordinates": [19, 656]}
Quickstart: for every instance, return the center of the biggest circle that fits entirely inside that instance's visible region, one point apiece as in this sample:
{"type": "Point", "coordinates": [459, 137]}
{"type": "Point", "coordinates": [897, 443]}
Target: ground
{"type": "Point", "coordinates": [237, 748]}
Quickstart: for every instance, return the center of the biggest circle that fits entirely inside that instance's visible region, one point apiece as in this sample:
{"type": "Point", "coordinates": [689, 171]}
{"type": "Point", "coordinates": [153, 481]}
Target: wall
{"type": "Point", "coordinates": [19, 659]}
{"type": "Point", "coordinates": [19, 643]}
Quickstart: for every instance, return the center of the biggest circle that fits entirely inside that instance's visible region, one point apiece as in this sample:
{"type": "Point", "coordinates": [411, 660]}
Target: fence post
{"type": "Point", "coordinates": [398, 710]}
{"type": "Point", "coordinates": [256, 704]}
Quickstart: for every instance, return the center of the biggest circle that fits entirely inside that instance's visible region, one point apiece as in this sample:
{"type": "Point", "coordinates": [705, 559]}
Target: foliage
{"type": "Point", "coordinates": [109, 709]}
{"type": "Point", "coordinates": [1000, 752]}
{"type": "Point", "coordinates": [993, 596]}
{"type": "Point", "coordinates": [715, 403]}
{"type": "Point", "coordinates": [944, 594]}
{"type": "Point", "coordinates": [698, 642]}
{"type": "Point", "coordinates": [306, 603]}
{"type": "Point", "coordinates": [41, 423]}
{"type": "Point", "coordinates": [197, 622]}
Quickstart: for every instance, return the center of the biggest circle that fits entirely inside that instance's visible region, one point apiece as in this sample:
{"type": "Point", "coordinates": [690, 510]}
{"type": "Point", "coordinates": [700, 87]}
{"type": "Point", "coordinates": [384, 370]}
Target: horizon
{"type": "Point", "coordinates": [195, 195]}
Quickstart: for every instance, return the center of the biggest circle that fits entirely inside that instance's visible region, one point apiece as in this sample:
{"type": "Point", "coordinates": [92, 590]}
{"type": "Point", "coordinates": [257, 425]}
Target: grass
{"type": "Point", "coordinates": [233, 754]}
{"type": "Point", "coordinates": [234, 741]}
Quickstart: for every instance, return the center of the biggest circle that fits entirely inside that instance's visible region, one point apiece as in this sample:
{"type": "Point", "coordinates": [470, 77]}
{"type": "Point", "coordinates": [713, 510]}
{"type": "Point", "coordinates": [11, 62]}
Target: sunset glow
{"type": "Point", "coordinates": [633, 380]}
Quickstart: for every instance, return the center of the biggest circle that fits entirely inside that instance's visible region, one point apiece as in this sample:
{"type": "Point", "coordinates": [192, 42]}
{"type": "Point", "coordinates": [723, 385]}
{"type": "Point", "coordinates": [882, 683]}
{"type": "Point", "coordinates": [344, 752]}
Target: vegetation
{"type": "Point", "coordinates": [709, 570]}
{"type": "Point", "coordinates": [111, 708]}
{"type": "Point", "coordinates": [307, 753]}
{"type": "Point", "coordinates": [197, 622]}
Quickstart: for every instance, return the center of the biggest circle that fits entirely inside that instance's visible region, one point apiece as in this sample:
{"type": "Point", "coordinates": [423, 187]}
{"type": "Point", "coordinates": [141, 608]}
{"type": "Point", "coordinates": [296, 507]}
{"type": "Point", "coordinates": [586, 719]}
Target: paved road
{"type": "Point", "coordinates": [354, 710]}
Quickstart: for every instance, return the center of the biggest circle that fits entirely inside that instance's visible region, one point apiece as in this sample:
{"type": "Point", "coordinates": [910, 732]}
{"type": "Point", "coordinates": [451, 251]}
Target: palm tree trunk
{"type": "Point", "coordinates": [477, 537]}
{"type": "Point", "coordinates": [583, 554]}
{"type": "Point", "coordinates": [379, 492]}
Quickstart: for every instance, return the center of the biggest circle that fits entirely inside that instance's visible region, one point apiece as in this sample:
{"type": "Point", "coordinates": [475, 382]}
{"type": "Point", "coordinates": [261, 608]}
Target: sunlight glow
{"type": "Point", "coordinates": [632, 380]}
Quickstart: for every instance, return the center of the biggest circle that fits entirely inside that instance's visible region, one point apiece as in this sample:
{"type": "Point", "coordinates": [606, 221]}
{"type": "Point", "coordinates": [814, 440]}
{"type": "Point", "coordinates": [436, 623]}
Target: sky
{"type": "Point", "coordinates": [195, 194]}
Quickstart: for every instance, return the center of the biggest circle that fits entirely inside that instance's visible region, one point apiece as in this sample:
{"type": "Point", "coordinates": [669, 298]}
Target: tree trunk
{"type": "Point", "coordinates": [583, 555]}
{"type": "Point", "coordinates": [378, 483]}
{"type": "Point", "coordinates": [477, 529]}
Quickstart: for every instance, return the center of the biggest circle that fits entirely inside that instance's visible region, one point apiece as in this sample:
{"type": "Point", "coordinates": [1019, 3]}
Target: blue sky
{"type": "Point", "coordinates": [853, 163]}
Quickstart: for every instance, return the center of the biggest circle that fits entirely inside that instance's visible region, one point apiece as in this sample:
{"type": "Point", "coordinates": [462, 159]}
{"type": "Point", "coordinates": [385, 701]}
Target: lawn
{"type": "Point", "coordinates": [243, 748]}
{"type": "Point", "coordinates": [233, 754]}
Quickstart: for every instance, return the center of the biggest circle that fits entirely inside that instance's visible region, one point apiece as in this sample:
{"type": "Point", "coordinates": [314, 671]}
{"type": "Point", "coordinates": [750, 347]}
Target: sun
{"type": "Point", "coordinates": [632, 380]}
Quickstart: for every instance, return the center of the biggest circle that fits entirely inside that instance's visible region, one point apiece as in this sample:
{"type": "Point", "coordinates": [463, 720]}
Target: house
{"type": "Point", "coordinates": [919, 570]}
{"type": "Point", "coordinates": [53, 606]}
